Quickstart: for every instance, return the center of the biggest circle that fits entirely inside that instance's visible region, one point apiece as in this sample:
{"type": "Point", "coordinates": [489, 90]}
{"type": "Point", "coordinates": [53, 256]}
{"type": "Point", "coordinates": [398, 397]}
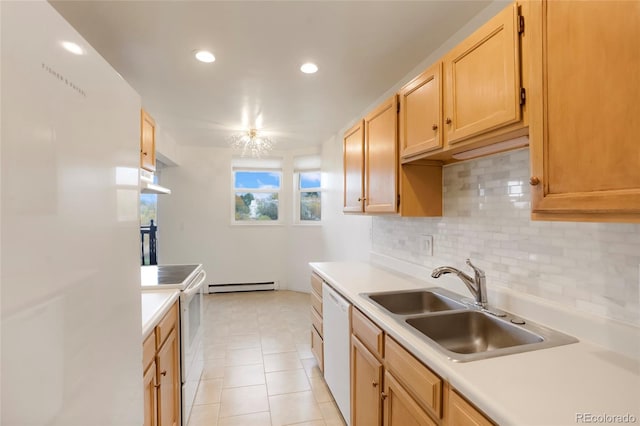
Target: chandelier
{"type": "Point", "coordinates": [251, 143]}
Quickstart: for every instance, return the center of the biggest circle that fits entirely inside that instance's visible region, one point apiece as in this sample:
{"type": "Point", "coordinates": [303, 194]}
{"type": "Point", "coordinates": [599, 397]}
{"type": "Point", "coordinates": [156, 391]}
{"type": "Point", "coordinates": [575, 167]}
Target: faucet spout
{"type": "Point", "coordinates": [476, 285]}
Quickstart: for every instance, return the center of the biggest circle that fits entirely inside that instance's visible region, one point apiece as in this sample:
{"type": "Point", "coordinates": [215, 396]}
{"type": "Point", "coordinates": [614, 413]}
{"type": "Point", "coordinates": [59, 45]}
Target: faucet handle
{"type": "Point", "coordinates": [479, 272]}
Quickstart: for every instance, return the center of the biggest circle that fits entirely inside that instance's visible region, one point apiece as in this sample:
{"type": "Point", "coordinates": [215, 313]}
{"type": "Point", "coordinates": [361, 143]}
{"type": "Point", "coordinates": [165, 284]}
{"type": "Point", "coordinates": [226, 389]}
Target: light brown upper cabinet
{"type": "Point", "coordinates": [585, 125]}
{"type": "Point", "coordinates": [147, 142]}
{"type": "Point", "coordinates": [353, 152]}
{"type": "Point", "coordinates": [420, 116]}
{"type": "Point", "coordinates": [371, 162]}
{"type": "Point", "coordinates": [482, 80]}
{"type": "Point", "coordinates": [374, 181]}
{"type": "Point", "coordinates": [381, 158]}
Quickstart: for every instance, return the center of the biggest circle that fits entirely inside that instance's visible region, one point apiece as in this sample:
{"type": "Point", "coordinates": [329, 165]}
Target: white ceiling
{"type": "Point", "coordinates": [362, 48]}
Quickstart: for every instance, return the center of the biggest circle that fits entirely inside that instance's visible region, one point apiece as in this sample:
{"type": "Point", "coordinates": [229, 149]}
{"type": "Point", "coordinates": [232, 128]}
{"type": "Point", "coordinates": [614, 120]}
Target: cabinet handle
{"type": "Point", "coordinates": [374, 383]}
{"type": "Point", "coordinates": [383, 396]}
{"type": "Point", "coordinates": [434, 127]}
{"type": "Point", "coordinates": [164, 373]}
{"type": "Point", "coordinates": [534, 181]}
{"type": "Point", "coordinates": [449, 121]}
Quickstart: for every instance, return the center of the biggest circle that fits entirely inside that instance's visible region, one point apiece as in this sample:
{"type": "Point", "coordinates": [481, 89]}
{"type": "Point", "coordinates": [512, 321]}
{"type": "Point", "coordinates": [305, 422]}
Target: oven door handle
{"type": "Point", "coordinates": [195, 286]}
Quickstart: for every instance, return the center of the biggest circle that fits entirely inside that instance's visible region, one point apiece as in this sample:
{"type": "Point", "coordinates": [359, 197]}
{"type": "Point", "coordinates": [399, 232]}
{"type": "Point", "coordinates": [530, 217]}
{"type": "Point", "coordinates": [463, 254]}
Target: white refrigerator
{"type": "Point", "coordinates": [70, 279]}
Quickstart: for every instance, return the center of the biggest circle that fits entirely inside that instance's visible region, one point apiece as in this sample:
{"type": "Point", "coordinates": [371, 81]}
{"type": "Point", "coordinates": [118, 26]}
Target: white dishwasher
{"type": "Point", "coordinates": [336, 317]}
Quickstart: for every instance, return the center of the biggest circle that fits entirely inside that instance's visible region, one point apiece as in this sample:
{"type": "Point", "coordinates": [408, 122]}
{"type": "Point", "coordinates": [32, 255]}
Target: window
{"type": "Point", "coordinates": [309, 205]}
{"type": "Point", "coordinates": [148, 209]}
{"type": "Point", "coordinates": [256, 195]}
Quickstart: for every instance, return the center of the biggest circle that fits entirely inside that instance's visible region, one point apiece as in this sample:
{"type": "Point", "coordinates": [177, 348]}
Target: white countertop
{"type": "Point", "coordinates": [545, 387]}
{"type": "Point", "coordinates": [154, 305]}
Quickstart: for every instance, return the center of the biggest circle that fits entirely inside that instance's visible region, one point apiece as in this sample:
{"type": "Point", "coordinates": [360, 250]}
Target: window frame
{"type": "Point", "coordinates": [234, 190]}
{"type": "Point", "coordinates": [297, 197]}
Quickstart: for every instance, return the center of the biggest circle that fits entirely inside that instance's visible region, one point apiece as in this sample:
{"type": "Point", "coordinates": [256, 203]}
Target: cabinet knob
{"type": "Point", "coordinates": [534, 181]}
{"type": "Point", "coordinates": [144, 153]}
{"type": "Point", "coordinates": [374, 383]}
{"type": "Point", "coordinates": [449, 120]}
{"type": "Point", "coordinates": [434, 127]}
{"type": "Point", "coordinates": [383, 396]}
{"type": "Point", "coordinates": [157, 386]}
{"type": "Point", "coordinates": [164, 373]}
{"type": "Point", "coordinates": [362, 198]}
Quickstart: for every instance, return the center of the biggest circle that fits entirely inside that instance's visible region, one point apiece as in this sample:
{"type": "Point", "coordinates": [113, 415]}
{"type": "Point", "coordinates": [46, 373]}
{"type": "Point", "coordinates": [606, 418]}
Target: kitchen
{"type": "Point", "coordinates": [583, 276]}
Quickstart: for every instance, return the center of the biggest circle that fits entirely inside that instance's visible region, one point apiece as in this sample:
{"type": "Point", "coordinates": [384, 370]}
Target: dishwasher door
{"type": "Point", "coordinates": [336, 317]}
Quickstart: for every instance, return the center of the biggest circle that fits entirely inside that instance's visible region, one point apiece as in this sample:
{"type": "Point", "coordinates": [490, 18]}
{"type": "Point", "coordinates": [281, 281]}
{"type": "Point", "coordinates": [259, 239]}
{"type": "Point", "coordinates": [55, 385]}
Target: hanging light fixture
{"type": "Point", "coordinates": [251, 143]}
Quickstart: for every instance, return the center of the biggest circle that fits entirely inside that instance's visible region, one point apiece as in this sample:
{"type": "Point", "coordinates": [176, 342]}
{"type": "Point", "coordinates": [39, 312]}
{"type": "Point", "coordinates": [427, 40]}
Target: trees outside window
{"type": "Point", "coordinates": [309, 205]}
{"type": "Point", "coordinates": [256, 193]}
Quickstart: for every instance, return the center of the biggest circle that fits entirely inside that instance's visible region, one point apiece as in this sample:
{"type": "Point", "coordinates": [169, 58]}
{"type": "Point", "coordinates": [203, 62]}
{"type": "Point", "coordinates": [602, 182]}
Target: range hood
{"type": "Point", "coordinates": [148, 187]}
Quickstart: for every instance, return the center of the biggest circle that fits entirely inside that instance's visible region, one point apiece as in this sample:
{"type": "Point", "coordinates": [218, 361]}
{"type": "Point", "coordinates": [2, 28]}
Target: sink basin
{"type": "Point", "coordinates": [471, 332]}
{"type": "Point", "coordinates": [412, 302]}
{"type": "Point", "coordinates": [461, 330]}
{"type": "Point", "coordinates": [472, 335]}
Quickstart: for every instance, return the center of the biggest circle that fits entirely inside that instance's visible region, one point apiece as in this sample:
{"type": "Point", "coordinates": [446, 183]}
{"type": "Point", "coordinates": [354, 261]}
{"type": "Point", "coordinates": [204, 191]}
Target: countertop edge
{"type": "Point", "coordinates": [155, 306]}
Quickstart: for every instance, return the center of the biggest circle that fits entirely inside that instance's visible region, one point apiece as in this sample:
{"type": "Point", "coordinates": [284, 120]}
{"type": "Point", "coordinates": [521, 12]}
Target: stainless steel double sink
{"type": "Point", "coordinates": [464, 332]}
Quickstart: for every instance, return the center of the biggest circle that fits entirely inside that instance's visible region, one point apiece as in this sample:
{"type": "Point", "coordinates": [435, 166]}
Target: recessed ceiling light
{"type": "Point", "coordinates": [205, 56]}
{"type": "Point", "coordinates": [73, 47]}
{"type": "Point", "coordinates": [309, 68]}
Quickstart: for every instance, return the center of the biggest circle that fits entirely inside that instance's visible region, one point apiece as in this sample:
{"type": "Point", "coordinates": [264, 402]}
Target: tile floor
{"type": "Point", "coordinates": [259, 369]}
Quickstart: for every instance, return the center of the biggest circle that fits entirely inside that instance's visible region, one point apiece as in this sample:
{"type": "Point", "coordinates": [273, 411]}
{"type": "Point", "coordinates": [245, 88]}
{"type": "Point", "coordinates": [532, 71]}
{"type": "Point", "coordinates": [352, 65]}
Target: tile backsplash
{"type": "Point", "coordinates": [591, 267]}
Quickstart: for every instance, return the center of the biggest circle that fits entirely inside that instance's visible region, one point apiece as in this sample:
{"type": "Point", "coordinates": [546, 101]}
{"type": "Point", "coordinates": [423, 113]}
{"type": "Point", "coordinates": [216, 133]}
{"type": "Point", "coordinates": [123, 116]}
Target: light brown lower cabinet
{"type": "Point", "coordinates": [390, 387]}
{"type": "Point", "coordinates": [150, 396]}
{"type": "Point", "coordinates": [317, 342]}
{"type": "Point", "coordinates": [366, 384]}
{"type": "Point", "coordinates": [168, 360]}
{"type": "Point", "coordinates": [161, 361]}
{"type": "Point", "coordinates": [400, 409]}
{"type": "Point", "coordinates": [462, 413]}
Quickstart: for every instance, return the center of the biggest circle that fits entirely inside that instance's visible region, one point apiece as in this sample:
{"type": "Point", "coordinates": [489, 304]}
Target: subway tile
{"type": "Point", "coordinates": [487, 215]}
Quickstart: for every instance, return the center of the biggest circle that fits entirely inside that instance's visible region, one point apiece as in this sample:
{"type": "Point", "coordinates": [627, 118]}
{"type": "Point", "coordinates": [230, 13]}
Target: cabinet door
{"type": "Point", "coordinates": [399, 408]}
{"type": "Point", "coordinates": [169, 380]}
{"type": "Point", "coordinates": [381, 158]}
{"type": "Point", "coordinates": [366, 386]}
{"type": "Point", "coordinates": [317, 348]}
{"type": "Point", "coordinates": [147, 142]}
{"type": "Point", "coordinates": [150, 395]}
{"type": "Point", "coordinates": [421, 113]}
{"type": "Point", "coordinates": [585, 126]}
{"type": "Point", "coordinates": [353, 151]}
{"type": "Point", "coordinates": [482, 79]}
{"type": "Point", "coordinates": [461, 413]}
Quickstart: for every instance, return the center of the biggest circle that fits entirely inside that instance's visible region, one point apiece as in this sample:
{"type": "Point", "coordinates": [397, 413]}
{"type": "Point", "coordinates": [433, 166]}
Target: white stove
{"type": "Point", "coordinates": [189, 279]}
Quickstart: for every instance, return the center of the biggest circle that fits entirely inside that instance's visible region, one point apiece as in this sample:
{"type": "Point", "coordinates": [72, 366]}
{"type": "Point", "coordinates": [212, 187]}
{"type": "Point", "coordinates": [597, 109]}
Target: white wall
{"type": "Point", "coordinates": [195, 225]}
{"type": "Point", "coordinates": [346, 236]}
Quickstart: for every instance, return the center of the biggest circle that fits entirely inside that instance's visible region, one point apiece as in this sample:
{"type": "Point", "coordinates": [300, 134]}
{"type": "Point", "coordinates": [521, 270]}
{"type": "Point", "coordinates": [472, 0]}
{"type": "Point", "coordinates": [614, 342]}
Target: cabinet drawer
{"type": "Point", "coordinates": [148, 350]}
{"type": "Point", "coordinates": [316, 284]}
{"type": "Point", "coordinates": [368, 333]}
{"type": "Point", "coordinates": [316, 320]}
{"type": "Point", "coordinates": [316, 302]}
{"type": "Point", "coordinates": [166, 324]}
{"type": "Point", "coordinates": [460, 412]}
{"type": "Point", "coordinates": [317, 348]}
{"type": "Point", "coordinates": [424, 385]}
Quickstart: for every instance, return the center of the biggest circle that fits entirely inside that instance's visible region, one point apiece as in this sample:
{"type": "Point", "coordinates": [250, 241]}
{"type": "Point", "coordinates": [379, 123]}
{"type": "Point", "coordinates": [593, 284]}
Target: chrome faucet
{"type": "Point", "coordinates": [477, 285]}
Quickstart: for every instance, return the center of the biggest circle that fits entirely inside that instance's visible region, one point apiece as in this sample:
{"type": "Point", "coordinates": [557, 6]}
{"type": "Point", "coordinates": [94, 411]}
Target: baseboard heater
{"type": "Point", "coordinates": [229, 288]}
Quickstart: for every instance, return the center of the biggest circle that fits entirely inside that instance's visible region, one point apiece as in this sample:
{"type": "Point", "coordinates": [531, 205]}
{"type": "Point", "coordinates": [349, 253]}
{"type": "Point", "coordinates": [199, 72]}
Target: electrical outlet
{"type": "Point", "coordinates": [426, 244]}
